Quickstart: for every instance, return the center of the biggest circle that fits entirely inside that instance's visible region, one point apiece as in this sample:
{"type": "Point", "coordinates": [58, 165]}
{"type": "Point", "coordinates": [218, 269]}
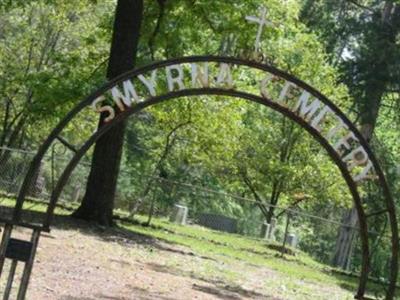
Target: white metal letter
{"type": "Point", "coordinates": [225, 76]}
{"type": "Point", "coordinates": [263, 86]}
{"type": "Point", "coordinates": [345, 142]}
{"type": "Point", "coordinates": [335, 129]}
{"type": "Point", "coordinates": [357, 157]}
{"type": "Point", "coordinates": [304, 109]}
{"type": "Point", "coordinates": [366, 173]}
{"type": "Point", "coordinates": [286, 90]}
{"type": "Point", "coordinates": [151, 83]}
{"type": "Point", "coordinates": [199, 76]}
{"type": "Point", "coordinates": [172, 81]}
{"type": "Point", "coordinates": [320, 117]}
{"type": "Point", "coordinates": [105, 108]}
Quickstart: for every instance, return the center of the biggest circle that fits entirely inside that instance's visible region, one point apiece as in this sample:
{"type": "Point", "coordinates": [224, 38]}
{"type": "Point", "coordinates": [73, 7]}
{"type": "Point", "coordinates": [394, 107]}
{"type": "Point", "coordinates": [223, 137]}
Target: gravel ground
{"type": "Point", "coordinates": [88, 263]}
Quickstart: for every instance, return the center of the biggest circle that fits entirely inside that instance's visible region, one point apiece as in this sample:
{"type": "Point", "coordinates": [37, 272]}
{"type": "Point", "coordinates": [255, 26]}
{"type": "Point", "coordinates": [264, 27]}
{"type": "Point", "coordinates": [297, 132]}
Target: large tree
{"type": "Point", "coordinates": [98, 202]}
{"type": "Point", "coordinates": [361, 37]}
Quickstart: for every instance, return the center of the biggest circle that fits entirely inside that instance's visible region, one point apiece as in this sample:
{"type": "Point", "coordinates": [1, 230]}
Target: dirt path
{"type": "Point", "coordinates": [87, 264]}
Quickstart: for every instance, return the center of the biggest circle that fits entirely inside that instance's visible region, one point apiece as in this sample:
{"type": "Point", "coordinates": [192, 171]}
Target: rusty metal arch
{"type": "Point", "coordinates": [390, 207]}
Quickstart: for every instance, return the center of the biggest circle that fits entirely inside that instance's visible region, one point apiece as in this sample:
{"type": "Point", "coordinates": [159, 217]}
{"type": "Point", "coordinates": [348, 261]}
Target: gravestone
{"type": "Point", "coordinates": [292, 240]}
{"type": "Point", "coordinates": [265, 230]}
{"type": "Point", "coordinates": [179, 214]}
{"type": "Point", "coordinates": [271, 234]}
{"type": "Point", "coordinates": [218, 222]}
{"type": "Point", "coordinates": [76, 194]}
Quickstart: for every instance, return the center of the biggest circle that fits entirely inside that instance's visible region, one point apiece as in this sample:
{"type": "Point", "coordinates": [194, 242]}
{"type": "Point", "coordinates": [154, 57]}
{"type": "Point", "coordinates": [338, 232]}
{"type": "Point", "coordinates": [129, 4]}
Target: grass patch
{"type": "Point", "coordinates": [300, 271]}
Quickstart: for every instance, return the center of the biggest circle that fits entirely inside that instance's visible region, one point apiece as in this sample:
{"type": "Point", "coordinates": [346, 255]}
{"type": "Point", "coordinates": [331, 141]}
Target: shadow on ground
{"type": "Point", "coordinates": [127, 238]}
{"type": "Point", "coordinates": [116, 234]}
{"type": "Point", "coordinates": [219, 288]}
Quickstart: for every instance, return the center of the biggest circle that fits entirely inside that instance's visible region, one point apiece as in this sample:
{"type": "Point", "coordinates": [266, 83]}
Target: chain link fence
{"type": "Point", "coordinates": [293, 227]}
{"type": "Point", "coordinates": [14, 165]}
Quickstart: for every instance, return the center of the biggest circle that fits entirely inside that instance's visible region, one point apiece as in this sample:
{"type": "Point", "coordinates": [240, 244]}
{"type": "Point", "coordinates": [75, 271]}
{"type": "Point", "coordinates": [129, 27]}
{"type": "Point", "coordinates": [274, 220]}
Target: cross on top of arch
{"type": "Point", "coordinates": [262, 21]}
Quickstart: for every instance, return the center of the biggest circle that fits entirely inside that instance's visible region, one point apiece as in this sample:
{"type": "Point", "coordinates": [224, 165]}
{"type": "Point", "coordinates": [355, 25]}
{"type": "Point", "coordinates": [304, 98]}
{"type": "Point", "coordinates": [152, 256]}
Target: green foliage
{"type": "Point", "coordinates": [362, 39]}
{"type": "Point", "coordinates": [49, 55]}
{"type": "Point", "coordinates": [53, 53]}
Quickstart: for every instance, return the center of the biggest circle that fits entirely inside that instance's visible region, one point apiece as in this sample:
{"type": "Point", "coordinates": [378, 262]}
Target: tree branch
{"type": "Point", "coordinates": [354, 2]}
{"type": "Point", "coordinates": [168, 146]}
{"type": "Point", "coordinates": [257, 197]}
{"type": "Point", "coordinates": [161, 5]}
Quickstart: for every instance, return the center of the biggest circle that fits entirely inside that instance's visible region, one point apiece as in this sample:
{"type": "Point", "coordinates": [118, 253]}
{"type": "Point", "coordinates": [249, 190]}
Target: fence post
{"type": "Point", "coordinates": [286, 232]}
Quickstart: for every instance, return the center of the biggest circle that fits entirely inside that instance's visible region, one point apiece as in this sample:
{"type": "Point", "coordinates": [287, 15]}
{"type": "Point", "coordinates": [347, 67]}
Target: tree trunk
{"type": "Point", "coordinates": [345, 240]}
{"type": "Point", "coordinates": [369, 106]}
{"type": "Point", "coordinates": [98, 202]}
{"type": "Point", "coordinates": [346, 235]}
{"type": "Point", "coordinates": [38, 183]}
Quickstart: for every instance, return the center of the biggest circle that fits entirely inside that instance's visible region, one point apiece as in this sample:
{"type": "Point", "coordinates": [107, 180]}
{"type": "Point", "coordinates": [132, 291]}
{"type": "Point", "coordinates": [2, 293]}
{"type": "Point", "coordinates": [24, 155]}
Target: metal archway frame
{"type": "Point", "coordinates": [390, 207]}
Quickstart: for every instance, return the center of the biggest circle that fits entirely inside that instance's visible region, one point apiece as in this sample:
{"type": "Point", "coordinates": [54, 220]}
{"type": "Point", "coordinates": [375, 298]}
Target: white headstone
{"type": "Point", "coordinates": [271, 234]}
{"type": "Point", "coordinates": [76, 195]}
{"type": "Point", "coordinates": [265, 229]}
{"type": "Point", "coordinates": [179, 214]}
{"type": "Point", "coordinates": [292, 240]}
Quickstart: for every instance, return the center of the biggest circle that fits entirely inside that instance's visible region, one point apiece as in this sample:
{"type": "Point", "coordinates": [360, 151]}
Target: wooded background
{"type": "Point", "coordinates": [54, 53]}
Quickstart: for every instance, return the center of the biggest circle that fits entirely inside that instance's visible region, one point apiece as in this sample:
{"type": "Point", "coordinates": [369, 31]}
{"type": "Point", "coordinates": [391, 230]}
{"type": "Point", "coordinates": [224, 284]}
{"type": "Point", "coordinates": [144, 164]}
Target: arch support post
{"type": "Point", "coordinates": [18, 251]}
